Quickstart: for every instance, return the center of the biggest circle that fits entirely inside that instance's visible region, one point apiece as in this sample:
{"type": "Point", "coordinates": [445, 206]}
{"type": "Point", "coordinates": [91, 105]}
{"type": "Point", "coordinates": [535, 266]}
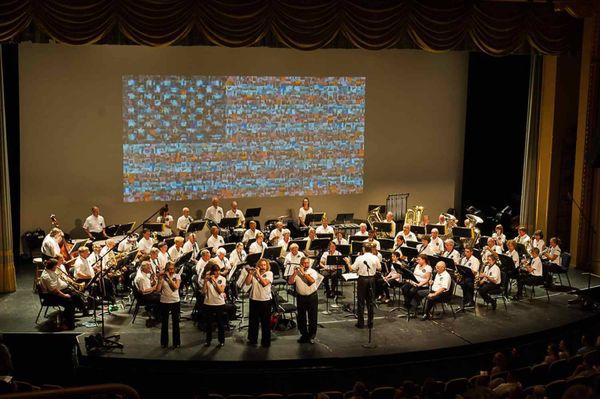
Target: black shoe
{"type": "Point", "coordinates": [207, 344]}
{"type": "Point", "coordinates": [251, 343]}
{"type": "Point", "coordinates": [302, 340]}
{"type": "Point", "coordinates": [311, 341]}
{"type": "Point", "coordinates": [494, 304]}
{"type": "Point", "coordinates": [266, 344]}
{"type": "Point", "coordinates": [220, 344]}
{"type": "Point", "coordinates": [176, 346]}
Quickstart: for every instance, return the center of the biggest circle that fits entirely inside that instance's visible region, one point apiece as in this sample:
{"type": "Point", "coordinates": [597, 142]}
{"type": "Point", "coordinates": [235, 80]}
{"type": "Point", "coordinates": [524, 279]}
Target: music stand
{"type": "Point", "coordinates": [228, 223]}
{"type": "Point", "coordinates": [272, 253]}
{"type": "Point", "coordinates": [417, 229]}
{"type": "Point", "coordinates": [301, 244]}
{"type": "Point", "coordinates": [356, 246]}
{"type": "Point", "coordinates": [386, 243]}
{"type": "Point", "coordinates": [252, 213]}
{"type": "Point", "coordinates": [328, 236]}
{"type": "Point", "coordinates": [507, 262]}
{"type": "Point", "coordinates": [383, 227]}
{"type": "Point", "coordinates": [521, 249]}
{"type": "Point", "coordinates": [111, 230]}
{"type": "Point", "coordinates": [196, 225]}
{"type": "Point", "coordinates": [229, 247]}
{"type": "Point", "coordinates": [483, 241]}
{"type": "Point", "coordinates": [410, 252]}
{"type": "Point", "coordinates": [412, 244]}
{"type": "Point", "coordinates": [448, 261]}
{"type": "Point", "coordinates": [344, 249]}
{"type": "Point", "coordinates": [250, 242]}
{"type": "Point", "coordinates": [386, 255]}
{"type": "Point", "coordinates": [320, 244]}
{"type": "Point", "coordinates": [125, 228]}
{"type": "Point", "coordinates": [252, 259]}
{"type": "Point", "coordinates": [154, 227]}
{"type": "Point", "coordinates": [313, 217]}
{"type": "Point", "coordinates": [344, 217]}
{"type": "Point", "coordinates": [183, 259]}
{"type": "Point", "coordinates": [461, 232]}
{"type": "Point", "coordinates": [441, 228]}
{"type": "Point", "coordinates": [78, 244]}
{"type": "Point", "coordinates": [357, 238]}
{"type": "Point", "coordinates": [170, 241]}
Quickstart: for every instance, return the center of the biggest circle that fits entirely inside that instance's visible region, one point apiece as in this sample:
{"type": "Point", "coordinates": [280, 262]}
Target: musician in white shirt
{"type": "Point", "coordinates": [398, 245]}
{"type": "Point", "coordinates": [167, 221]}
{"type": "Point", "coordinates": [490, 280]}
{"type": "Point", "coordinates": [523, 238]}
{"type": "Point", "coordinates": [168, 286]}
{"type": "Point", "coordinates": [324, 228]}
{"type": "Point", "coordinates": [362, 230]}
{"type": "Point", "coordinates": [176, 249]}
{"type": "Point", "coordinates": [184, 221]}
{"type": "Point", "coordinates": [214, 212]}
{"type": "Point", "coordinates": [260, 280]}
{"type": "Point", "coordinates": [450, 252]}
{"type": "Point", "coordinates": [407, 234]}
{"type": "Point", "coordinates": [330, 272]}
{"type": "Point", "coordinates": [339, 238]}
{"type": "Point", "coordinates": [491, 247]}
{"type": "Point", "coordinates": [94, 258]}
{"type": "Point", "coordinates": [237, 256]}
{"type": "Point", "coordinates": [129, 244]}
{"type": "Point", "coordinates": [234, 212]}
{"type": "Point", "coordinates": [366, 266]}
{"type": "Point", "coordinates": [284, 242]}
{"type": "Point", "coordinates": [439, 290]}
{"type": "Point", "coordinates": [514, 255]}
{"type": "Point", "coordinates": [425, 247]}
{"type": "Point", "coordinates": [157, 267]}
{"type": "Point", "coordinates": [538, 240]}
{"type": "Point", "coordinates": [258, 246]}
{"type": "Point", "coordinates": [312, 235]}
{"type": "Point", "coordinates": [82, 269]}
{"type": "Point", "coordinates": [214, 303]}
{"type": "Point", "coordinates": [552, 260]}
{"type": "Point", "coordinates": [276, 233]}
{"type": "Point", "coordinates": [468, 281]}
{"type": "Point", "coordinates": [499, 236]}
{"type": "Point", "coordinates": [201, 264]}
{"type": "Point", "coordinates": [163, 255]}
{"type": "Point", "coordinates": [304, 210]}
{"type": "Point", "coordinates": [51, 243]}
{"type": "Point", "coordinates": [191, 245]}
{"type": "Point", "coordinates": [437, 244]}
{"type": "Point", "coordinates": [56, 292]}
{"type": "Point", "coordinates": [108, 255]}
{"type": "Point", "coordinates": [148, 289]}
{"type": "Point", "coordinates": [389, 218]}
{"type": "Point", "coordinates": [414, 291]}
{"type": "Point", "coordinates": [532, 275]}
{"type": "Point", "coordinates": [392, 279]}
{"type": "Point", "coordinates": [305, 280]}
{"type": "Point", "coordinates": [372, 240]}
{"type": "Point", "coordinates": [94, 225]}
{"type": "Point", "coordinates": [215, 240]}
{"type": "Point", "coordinates": [223, 262]}
{"type": "Point", "coordinates": [251, 232]}
{"type": "Point", "coordinates": [292, 259]}
{"type": "Point", "coordinates": [145, 243]}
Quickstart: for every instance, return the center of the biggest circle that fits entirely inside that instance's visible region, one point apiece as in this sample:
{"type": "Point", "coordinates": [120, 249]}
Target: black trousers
{"type": "Point", "coordinates": [488, 288]}
{"type": "Point", "coordinates": [77, 299]}
{"type": "Point", "coordinates": [468, 289]}
{"type": "Point", "coordinates": [412, 294]}
{"type": "Point", "coordinates": [174, 309]}
{"type": "Point", "coordinates": [67, 304]}
{"type": "Point", "coordinates": [215, 313]}
{"type": "Point", "coordinates": [152, 303]}
{"type": "Point", "coordinates": [432, 301]}
{"type": "Point", "coordinates": [528, 279]}
{"type": "Point", "coordinates": [365, 292]}
{"type": "Point", "coordinates": [332, 278]}
{"type": "Point", "coordinates": [307, 306]}
{"type": "Point", "coordinates": [383, 288]}
{"type": "Point", "coordinates": [259, 313]}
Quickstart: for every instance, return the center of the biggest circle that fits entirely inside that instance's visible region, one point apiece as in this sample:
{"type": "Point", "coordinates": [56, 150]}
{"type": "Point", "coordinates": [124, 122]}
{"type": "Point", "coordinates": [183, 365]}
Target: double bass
{"type": "Point", "coordinates": [65, 245]}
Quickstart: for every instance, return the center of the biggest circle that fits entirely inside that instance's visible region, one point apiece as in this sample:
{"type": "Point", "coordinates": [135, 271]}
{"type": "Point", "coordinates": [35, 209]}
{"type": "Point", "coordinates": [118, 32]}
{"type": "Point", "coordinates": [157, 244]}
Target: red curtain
{"type": "Point", "coordinates": [495, 28]}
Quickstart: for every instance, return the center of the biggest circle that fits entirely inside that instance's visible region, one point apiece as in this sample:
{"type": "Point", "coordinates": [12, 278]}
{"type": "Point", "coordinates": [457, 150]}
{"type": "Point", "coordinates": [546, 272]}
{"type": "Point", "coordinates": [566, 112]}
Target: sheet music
{"type": "Point", "coordinates": [350, 276]}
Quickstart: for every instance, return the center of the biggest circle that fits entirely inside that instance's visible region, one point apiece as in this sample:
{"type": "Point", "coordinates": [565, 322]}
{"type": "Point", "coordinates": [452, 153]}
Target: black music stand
{"type": "Point", "coordinates": [386, 243]}
{"type": "Point", "coordinates": [229, 247]}
{"type": "Point", "coordinates": [228, 223]}
{"type": "Point", "coordinates": [252, 213]}
{"type": "Point", "coordinates": [125, 228]}
{"type": "Point", "coordinates": [301, 244]}
{"type": "Point", "coordinates": [183, 259]}
{"type": "Point", "coordinates": [383, 227]}
{"type": "Point", "coordinates": [449, 262]}
{"type": "Point", "coordinates": [313, 218]}
{"type": "Point", "coordinates": [357, 238]}
{"type": "Point", "coordinates": [521, 249]}
{"type": "Point", "coordinates": [410, 252]}
{"type": "Point", "coordinates": [111, 230]}
{"type": "Point", "coordinates": [507, 263]}
{"type": "Point", "coordinates": [407, 275]}
{"type": "Point", "coordinates": [250, 242]}
{"type": "Point", "coordinates": [344, 249]}
{"type": "Point", "coordinates": [440, 227]}
{"type": "Point", "coordinates": [418, 230]}
{"type": "Point", "coordinates": [461, 232]}
{"type": "Point", "coordinates": [356, 246]}
{"type": "Point", "coordinates": [319, 245]}
{"type": "Point", "coordinates": [328, 236]}
{"type": "Point", "coordinates": [272, 253]}
{"type": "Point", "coordinates": [412, 244]}
{"type": "Point", "coordinates": [344, 218]}
{"type": "Point", "coordinates": [154, 227]}
{"type": "Point", "coordinates": [78, 245]}
{"type": "Point", "coordinates": [386, 255]}
{"type": "Point", "coordinates": [252, 259]}
{"type": "Point", "coordinates": [196, 225]}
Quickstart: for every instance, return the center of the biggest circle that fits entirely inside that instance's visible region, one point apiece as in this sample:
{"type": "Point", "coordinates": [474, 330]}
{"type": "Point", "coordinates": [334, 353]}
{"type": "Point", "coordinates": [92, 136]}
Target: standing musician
{"type": "Point", "coordinates": [450, 252]}
{"type": "Point", "coordinates": [389, 218]}
{"type": "Point", "coordinates": [414, 291]}
{"type": "Point", "coordinates": [184, 221]}
{"type": "Point", "coordinates": [491, 247]}
{"type": "Point", "coordinates": [222, 262]}
{"type": "Point", "coordinates": [51, 243]}
{"type": "Point", "coordinates": [251, 232]}
{"type": "Point", "coordinates": [533, 274]}
{"type": "Point", "coordinates": [331, 273]}
{"type": "Point", "coordinates": [191, 245]}
{"type": "Point", "coordinates": [167, 221]}
{"type": "Point", "coordinates": [168, 287]}
{"type": "Point", "coordinates": [215, 240]}
{"type": "Point", "coordinates": [83, 271]}
{"type": "Point", "coordinates": [499, 236]}
{"type": "Point", "coordinates": [201, 264]}
{"type": "Point", "coordinates": [339, 238]}
{"type": "Point", "coordinates": [163, 255]}
{"type": "Point", "coordinates": [538, 241]}
{"type": "Point", "coordinates": [304, 210]}
{"type": "Point", "coordinates": [425, 247]}
{"type": "Point", "coordinates": [234, 212]}
{"type": "Point", "coordinates": [439, 290]}
{"type": "Point", "coordinates": [324, 228]}
{"type": "Point", "coordinates": [407, 234]}
{"type": "Point", "coordinates": [372, 239]}
{"type": "Point", "coordinates": [467, 283]}
{"type": "Point", "coordinates": [392, 279]}
{"type": "Point", "coordinates": [55, 290]}
{"type": "Point", "coordinates": [258, 246]}
{"type": "Point", "coordinates": [292, 259]}
{"type": "Point", "coordinates": [552, 259]}
{"type": "Point", "coordinates": [284, 242]}
{"type": "Point", "coordinates": [276, 233]}
{"type": "Point", "coordinates": [145, 243]}
{"type": "Point", "coordinates": [176, 249]}
{"type": "Point", "coordinates": [214, 213]}
{"type": "Point", "coordinates": [214, 303]}
{"type": "Point", "coordinates": [146, 282]}
{"type": "Point", "coordinates": [490, 279]}
{"type": "Point", "coordinates": [94, 225]}
{"type": "Point", "coordinates": [362, 230]}
{"type": "Point", "coordinates": [523, 238]}
{"type": "Point", "coordinates": [305, 280]}
{"type": "Point", "coordinates": [260, 280]}
{"type": "Point", "coordinates": [366, 266]}
{"type": "Point", "coordinates": [437, 244]}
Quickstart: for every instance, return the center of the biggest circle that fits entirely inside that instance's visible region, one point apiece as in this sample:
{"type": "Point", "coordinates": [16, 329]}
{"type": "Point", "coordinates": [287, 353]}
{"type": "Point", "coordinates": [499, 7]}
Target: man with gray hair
{"type": "Point", "coordinates": [292, 259]}
{"type": "Point", "coordinates": [184, 221]}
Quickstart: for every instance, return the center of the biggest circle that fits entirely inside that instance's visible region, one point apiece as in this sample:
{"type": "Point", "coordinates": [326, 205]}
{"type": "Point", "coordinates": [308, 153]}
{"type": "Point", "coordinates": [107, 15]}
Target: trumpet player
{"type": "Point", "coordinates": [292, 259]}
{"type": "Point", "coordinates": [305, 280]}
{"type": "Point", "coordinates": [552, 259]}
{"type": "Point", "coordinates": [467, 283]}
{"type": "Point", "coordinates": [532, 274]}
{"type": "Point", "coordinates": [490, 280]}
{"type": "Point", "coordinates": [168, 286]}
{"type": "Point", "coordinates": [251, 232]}
{"type": "Point", "coordinates": [214, 302]}
{"type": "Point", "coordinates": [523, 238]}
{"type": "Point", "coordinates": [491, 247]}
{"type": "Point", "coordinates": [499, 236]}
{"type": "Point", "coordinates": [260, 280]}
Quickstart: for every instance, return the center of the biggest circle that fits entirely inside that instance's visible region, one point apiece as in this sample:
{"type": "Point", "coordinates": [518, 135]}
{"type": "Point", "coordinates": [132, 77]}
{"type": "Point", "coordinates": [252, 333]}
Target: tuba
{"type": "Point", "coordinates": [414, 216]}
{"type": "Point", "coordinates": [374, 216]}
{"type": "Point", "coordinates": [472, 222]}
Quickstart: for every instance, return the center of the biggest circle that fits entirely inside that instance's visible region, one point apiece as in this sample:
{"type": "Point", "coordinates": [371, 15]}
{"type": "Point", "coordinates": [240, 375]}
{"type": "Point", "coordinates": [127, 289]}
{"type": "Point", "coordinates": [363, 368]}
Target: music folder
{"type": "Point", "coordinates": [196, 225]}
{"type": "Point", "coordinates": [252, 213]}
{"type": "Point", "coordinates": [350, 276]}
{"type": "Point", "coordinates": [412, 244]}
{"type": "Point", "coordinates": [335, 260]}
{"type": "Point", "coordinates": [343, 249]}
{"type": "Point", "coordinates": [357, 238]}
{"type": "Point", "coordinates": [319, 244]}
{"type": "Point", "coordinates": [186, 257]}
{"type": "Point", "coordinates": [125, 228]}
{"type": "Point", "coordinates": [465, 271]}
{"type": "Point", "coordinates": [229, 247]}
{"type": "Point", "coordinates": [410, 252]}
{"type": "Point", "coordinates": [78, 244]}
{"type": "Point", "coordinates": [506, 262]}
{"type": "Point", "coordinates": [386, 243]}
{"type": "Point", "coordinates": [417, 229]}
{"type": "Point", "coordinates": [406, 274]}
{"type": "Point", "coordinates": [328, 236]}
{"type": "Point", "coordinates": [448, 261]}
{"type": "Point", "coordinates": [386, 255]}
{"type": "Point", "coordinates": [252, 259]}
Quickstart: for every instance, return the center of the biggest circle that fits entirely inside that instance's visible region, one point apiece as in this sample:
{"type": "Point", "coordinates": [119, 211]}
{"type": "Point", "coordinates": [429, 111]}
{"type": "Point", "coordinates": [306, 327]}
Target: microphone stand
{"type": "Point", "coordinates": [101, 342]}
{"type": "Point", "coordinates": [587, 221]}
{"type": "Point", "coordinates": [371, 305]}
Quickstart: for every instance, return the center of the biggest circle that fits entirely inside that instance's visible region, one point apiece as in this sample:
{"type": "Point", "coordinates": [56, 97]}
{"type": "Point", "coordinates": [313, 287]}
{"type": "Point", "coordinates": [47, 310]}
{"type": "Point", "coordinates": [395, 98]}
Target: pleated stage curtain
{"type": "Point", "coordinates": [496, 28]}
{"type": "Point", "coordinates": [8, 282]}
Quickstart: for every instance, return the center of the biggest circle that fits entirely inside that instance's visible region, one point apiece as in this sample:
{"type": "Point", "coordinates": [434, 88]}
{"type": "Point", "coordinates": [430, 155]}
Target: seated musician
{"type": "Point", "coordinates": [234, 212]}
{"type": "Point", "coordinates": [312, 235]}
{"type": "Point", "coordinates": [64, 274]}
{"type": "Point", "coordinates": [532, 274]}
{"type": "Point", "coordinates": [276, 233]}
{"type": "Point", "coordinates": [202, 262]}
{"type": "Point", "coordinates": [425, 220]}
{"type": "Point", "coordinates": [167, 221]}
{"type": "Point", "coordinates": [94, 258]}
{"type": "Point", "coordinates": [491, 247]}
{"type": "Point", "coordinates": [304, 210]}
{"type": "Point", "coordinates": [83, 271]}
{"type": "Point", "coordinates": [389, 218]}
{"type": "Point", "coordinates": [184, 221]}
{"type": "Point", "coordinates": [251, 232]}
{"type": "Point", "coordinates": [191, 245]}
{"type": "Point", "coordinates": [407, 234]}
{"type": "Point", "coordinates": [514, 255]}
{"type": "Point", "coordinates": [108, 255]}
{"type": "Point", "coordinates": [51, 243]}
{"type": "Point", "coordinates": [552, 260]}
{"type": "Point", "coordinates": [129, 244]}
{"type": "Point", "coordinates": [399, 243]}
{"type": "Point", "coordinates": [145, 282]}
{"type": "Point", "coordinates": [339, 238]}
{"type": "Point", "coordinates": [145, 243]}
{"type": "Point", "coordinates": [215, 240]}
{"type": "Point", "coordinates": [292, 259]}
{"type": "Point", "coordinates": [441, 220]}
{"type": "Point", "coordinates": [490, 279]}
{"type": "Point", "coordinates": [376, 252]}
{"type": "Point", "coordinates": [392, 279]}
{"type": "Point", "coordinates": [237, 256]}
{"type": "Point", "coordinates": [450, 252]}
{"type": "Point", "coordinates": [425, 246]}
{"type": "Point", "coordinates": [223, 262]}
{"type": "Point", "coordinates": [94, 225]}
{"type": "Point", "coordinates": [467, 283]}
{"type": "Point", "coordinates": [439, 290]}
{"type": "Point", "coordinates": [324, 228]}
{"type": "Point", "coordinates": [214, 213]}
{"type": "Point", "coordinates": [176, 249]}
{"type": "Point", "coordinates": [157, 266]}
{"type": "Point", "coordinates": [284, 242]}
{"type": "Point", "coordinates": [437, 244]}
{"type": "Point", "coordinates": [332, 273]}
{"type": "Point", "coordinates": [163, 254]}
{"type": "Point", "coordinates": [538, 241]}
{"type": "Point", "coordinates": [523, 238]}
{"type": "Point", "coordinates": [259, 245]}
{"type": "Point", "coordinates": [362, 230]}
{"type": "Point", "coordinates": [373, 239]}
{"type": "Point", "coordinates": [55, 290]}
{"type": "Point", "coordinates": [499, 236]}
{"type": "Point", "coordinates": [414, 291]}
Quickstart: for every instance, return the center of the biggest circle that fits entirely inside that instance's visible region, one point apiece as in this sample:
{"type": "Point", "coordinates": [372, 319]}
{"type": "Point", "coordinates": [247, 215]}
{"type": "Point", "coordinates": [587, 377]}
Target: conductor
{"type": "Point", "coordinates": [366, 265]}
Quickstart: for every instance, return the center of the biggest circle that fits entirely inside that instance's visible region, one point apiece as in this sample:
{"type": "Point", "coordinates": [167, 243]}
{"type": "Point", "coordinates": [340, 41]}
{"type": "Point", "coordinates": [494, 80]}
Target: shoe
{"type": "Point", "coordinates": [251, 343]}
{"type": "Point", "coordinates": [266, 345]}
{"type": "Point", "coordinates": [311, 341]}
{"type": "Point", "coordinates": [426, 317]}
{"type": "Point", "coordinates": [207, 344]}
{"type": "Point", "coordinates": [176, 346]}
{"type": "Point", "coordinates": [220, 345]}
{"type": "Point", "coordinates": [494, 304]}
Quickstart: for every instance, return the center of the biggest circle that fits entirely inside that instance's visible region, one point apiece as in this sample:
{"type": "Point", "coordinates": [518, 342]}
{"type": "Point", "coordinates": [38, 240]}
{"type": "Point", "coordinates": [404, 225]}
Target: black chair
{"type": "Point", "coordinates": [278, 279]}
{"type": "Point", "coordinates": [532, 296]}
{"type": "Point", "coordinates": [46, 303]}
{"type": "Point", "coordinates": [139, 300]}
{"type": "Point", "coordinates": [575, 361]}
{"type": "Point", "coordinates": [523, 375]}
{"type": "Point", "coordinates": [445, 300]}
{"type": "Point", "coordinates": [565, 261]}
{"type": "Point", "coordinates": [539, 374]}
{"type": "Point", "coordinates": [455, 387]}
{"type": "Point", "coordinates": [555, 389]}
{"type": "Point", "coordinates": [433, 389]}
{"type": "Point", "coordinates": [383, 393]}
{"type": "Point", "coordinates": [502, 294]}
{"type": "Point", "coordinates": [559, 369]}
{"type": "Point", "coordinates": [479, 381]}
{"type": "Point", "coordinates": [283, 308]}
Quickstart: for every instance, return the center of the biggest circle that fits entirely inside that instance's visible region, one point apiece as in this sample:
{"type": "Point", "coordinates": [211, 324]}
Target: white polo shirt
{"type": "Point", "coordinates": [94, 224]}
{"type": "Point", "coordinates": [212, 297]}
{"type": "Point", "coordinates": [215, 242]}
{"type": "Point", "coordinates": [303, 212]}
{"type": "Point", "coordinates": [257, 249]}
{"type": "Point", "coordinates": [142, 281]}
{"type": "Point", "coordinates": [82, 266]}
{"type": "Point", "coordinates": [50, 247]}
{"type": "Point", "coordinates": [366, 265]}
{"type": "Point", "coordinates": [494, 272]}
{"type": "Point", "coordinates": [167, 295]}
{"type": "Point", "coordinates": [303, 288]}
{"type": "Point", "coordinates": [258, 292]}
{"type": "Point", "coordinates": [183, 222]}
{"type": "Point", "coordinates": [214, 214]}
{"type": "Point", "coordinates": [249, 234]}
{"type": "Point", "coordinates": [420, 272]}
{"type": "Point", "coordinates": [145, 245]}
{"type": "Point", "coordinates": [441, 280]}
{"type": "Point", "coordinates": [324, 230]}
{"type": "Point", "coordinates": [472, 263]}
{"type": "Point", "coordinates": [237, 214]}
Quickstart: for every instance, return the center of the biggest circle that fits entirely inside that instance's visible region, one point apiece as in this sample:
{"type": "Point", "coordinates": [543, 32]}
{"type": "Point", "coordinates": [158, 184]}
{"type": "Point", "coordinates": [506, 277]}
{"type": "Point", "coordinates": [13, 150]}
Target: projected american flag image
{"type": "Point", "coordinates": [194, 137]}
